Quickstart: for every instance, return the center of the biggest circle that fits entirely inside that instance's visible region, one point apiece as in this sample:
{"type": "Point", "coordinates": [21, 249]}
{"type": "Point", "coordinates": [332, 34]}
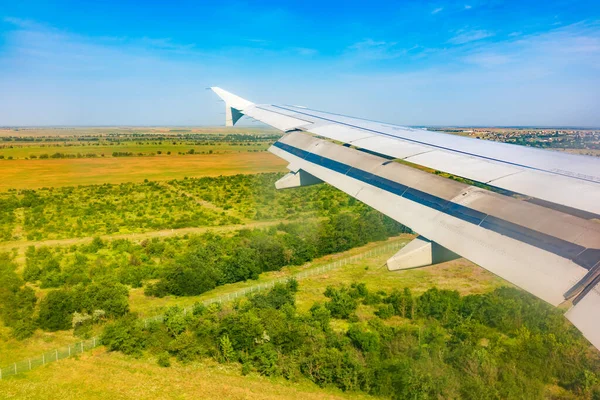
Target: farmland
{"type": "Point", "coordinates": [35, 158]}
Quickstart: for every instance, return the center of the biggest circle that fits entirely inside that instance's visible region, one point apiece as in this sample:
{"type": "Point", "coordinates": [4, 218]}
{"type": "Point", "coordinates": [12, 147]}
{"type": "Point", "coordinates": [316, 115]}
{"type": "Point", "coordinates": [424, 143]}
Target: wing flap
{"type": "Point", "coordinates": [585, 316]}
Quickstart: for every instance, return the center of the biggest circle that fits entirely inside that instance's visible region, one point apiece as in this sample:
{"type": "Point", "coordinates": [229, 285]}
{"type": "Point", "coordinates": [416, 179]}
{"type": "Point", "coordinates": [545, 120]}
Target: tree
{"type": "Point", "coordinates": [17, 302]}
{"type": "Point", "coordinates": [269, 250]}
{"type": "Point", "coordinates": [342, 304]}
{"type": "Point", "coordinates": [226, 348]}
{"type": "Point", "coordinates": [242, 265]}
{"type": "Point", "coordinates": [175, 320]}
{"type": "Point", "coordinates": [125, 335]}
{"type": "Point", "coordinates": [55, 310]}
{"type": "Point", "coordinates": [111, 297]}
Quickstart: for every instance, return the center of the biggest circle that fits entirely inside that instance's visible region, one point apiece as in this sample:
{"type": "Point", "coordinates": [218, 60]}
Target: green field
{"type": "Point", "coordinates": [102, 375]}
{"type": "Point", "coordinates": [145, 148]}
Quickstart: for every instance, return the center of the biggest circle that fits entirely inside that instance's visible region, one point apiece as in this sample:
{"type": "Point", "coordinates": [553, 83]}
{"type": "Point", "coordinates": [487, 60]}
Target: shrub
{"type": "Point", "coordinates": [342, 304]}
{"type": "Point", "coordinates": [226, 348]}
{"type": "Point", "coordinates": [56, 310]}
{"type": "Point", "coordinates": [164, 359]}
{"type": "Point", "coordinates": [125, 335]}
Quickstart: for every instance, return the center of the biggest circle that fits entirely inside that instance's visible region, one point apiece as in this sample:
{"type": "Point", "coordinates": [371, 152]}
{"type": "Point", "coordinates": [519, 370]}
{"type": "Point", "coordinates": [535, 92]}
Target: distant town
{"type": "Point", "coordinates": [572, 140]}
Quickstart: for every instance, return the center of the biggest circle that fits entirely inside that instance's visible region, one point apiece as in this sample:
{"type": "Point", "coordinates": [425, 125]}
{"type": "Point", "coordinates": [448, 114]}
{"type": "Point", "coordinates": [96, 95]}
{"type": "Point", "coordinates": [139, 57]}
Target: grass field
{"type": "Point", "coordinates": [33, 174]}
{"type": "Point", "coordinates": [98, 375]}
{"type": "Point", "coordinates": [104, 150]}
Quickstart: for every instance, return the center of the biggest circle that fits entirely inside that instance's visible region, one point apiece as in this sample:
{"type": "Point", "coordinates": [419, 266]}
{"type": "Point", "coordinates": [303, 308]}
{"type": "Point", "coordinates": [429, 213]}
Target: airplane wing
{"type": "Point", "coordinates": [544, 238]}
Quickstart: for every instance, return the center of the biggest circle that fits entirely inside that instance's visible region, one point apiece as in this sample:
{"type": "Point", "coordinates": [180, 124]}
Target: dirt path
{"type": "Point", "coordinates": [21, 245]}
{"type": "Point", "coordinates": [202, 202]}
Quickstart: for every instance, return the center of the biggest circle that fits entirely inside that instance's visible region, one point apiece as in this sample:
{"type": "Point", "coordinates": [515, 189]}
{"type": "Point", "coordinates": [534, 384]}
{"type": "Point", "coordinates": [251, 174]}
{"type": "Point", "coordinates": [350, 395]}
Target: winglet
{"type": "Point", "coordinates": [234, 105]}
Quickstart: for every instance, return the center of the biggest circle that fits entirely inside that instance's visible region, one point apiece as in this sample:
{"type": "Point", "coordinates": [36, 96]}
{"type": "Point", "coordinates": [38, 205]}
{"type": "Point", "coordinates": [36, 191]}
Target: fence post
{"type": "Point", "coordinates": [29, 364]}
{"type": "Point", "coordinates": [69, 350]}
{"type": "Point", "coordinates": [56, 354]}
{"type": "Point", "coordinates": [44, 359]}
{"type": "Point", "coordinates": [15, 368]}
{"type": "Point", "coordinates": [82, 347]}
{"type": "Point", "coordinates": [94, 342]}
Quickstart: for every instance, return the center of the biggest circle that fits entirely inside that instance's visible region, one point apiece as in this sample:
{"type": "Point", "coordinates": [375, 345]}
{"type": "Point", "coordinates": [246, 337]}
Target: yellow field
{"type": "Point", "coordinates": [31, 150]}
{"type": "Point", "coordinates": [31, 174]}
{"type": "Point", "coordinates": [100, 375]}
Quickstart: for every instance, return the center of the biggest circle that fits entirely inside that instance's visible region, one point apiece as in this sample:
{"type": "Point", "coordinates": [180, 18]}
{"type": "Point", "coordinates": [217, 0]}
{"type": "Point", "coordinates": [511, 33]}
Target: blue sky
{"type": "Point", "coordinates": [407, 62]}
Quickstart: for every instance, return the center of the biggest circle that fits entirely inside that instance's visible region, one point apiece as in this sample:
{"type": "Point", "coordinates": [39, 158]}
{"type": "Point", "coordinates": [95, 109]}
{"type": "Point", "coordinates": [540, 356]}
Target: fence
{"type": "Point", "coordinates": [80, 347]}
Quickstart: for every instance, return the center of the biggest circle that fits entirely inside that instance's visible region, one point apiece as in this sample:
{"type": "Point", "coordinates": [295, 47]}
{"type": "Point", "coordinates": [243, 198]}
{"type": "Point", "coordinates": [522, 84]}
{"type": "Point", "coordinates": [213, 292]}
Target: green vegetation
{"type": "Point", "coordinates": [17, 302]}
{"type": "Point", "coordinates": [502, 344]}
{"type": "Point", "coordinates": [126, 144]}
{"type": "Point", "coordinates": [99, 375]}
{"type": "Point", "coordinates": [92, 281]}
{"type": "Point", "coordinates": [250, 252]}
{"type": "Point", "coordinates": [102, 209]}
{"type": "Point", "coordinates": [67, 212]}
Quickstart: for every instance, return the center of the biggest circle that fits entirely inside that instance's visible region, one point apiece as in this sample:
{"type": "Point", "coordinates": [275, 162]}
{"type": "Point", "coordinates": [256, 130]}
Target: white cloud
{"type": "Point", "coordinates": [437, 10]}
{"type": "Point", "coordinates": [469, 36]}
{"type": "Point", "coordinates": [370, 49]}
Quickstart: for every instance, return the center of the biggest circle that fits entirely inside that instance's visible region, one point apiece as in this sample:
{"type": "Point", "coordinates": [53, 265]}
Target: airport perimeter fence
{"type": "Point", "coordinates": [78, 348]}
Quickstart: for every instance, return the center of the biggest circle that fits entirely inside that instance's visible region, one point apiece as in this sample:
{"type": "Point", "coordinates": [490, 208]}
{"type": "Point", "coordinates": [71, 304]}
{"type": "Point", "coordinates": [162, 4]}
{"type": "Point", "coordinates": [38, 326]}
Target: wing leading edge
{"type": "Point", "coordinates": [549, 253]}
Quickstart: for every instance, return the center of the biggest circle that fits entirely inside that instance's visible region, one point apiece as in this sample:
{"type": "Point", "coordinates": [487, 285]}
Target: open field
{"type": "Point", "coordinates": [70, 131]}
{"type": "Point", "coordinates": [145, 148]}
{"type": "Point", "coordinates": [99, 374]}
{"type": "Point", "coordinates": [33, 174]}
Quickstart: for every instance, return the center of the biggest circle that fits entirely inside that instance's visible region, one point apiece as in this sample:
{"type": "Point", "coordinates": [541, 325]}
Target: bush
{"type": "Point", "coordinates": [125, 335]}
{"type": "Point", "coordinates": [342, 304]}
{"type": "Point", "coordinates": [449, 352]}
{"type": "Point", "coordinates": [164, 359]}
{"type": "Point", "coordinates": [280, 295]}
{"type": "Point", "coordinates": [55, 310]}
{"type": "Point", "coordinates": [110, 297]}
{"type": "Point", "coordinates": [385, 311]}
{"type": "Point", "coordinates": [24, 329]}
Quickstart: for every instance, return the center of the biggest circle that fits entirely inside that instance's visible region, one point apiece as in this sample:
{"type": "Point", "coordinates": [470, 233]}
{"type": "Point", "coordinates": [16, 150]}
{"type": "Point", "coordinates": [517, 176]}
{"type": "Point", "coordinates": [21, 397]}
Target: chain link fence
{"type": "Point", "coordinates": [80, 347]}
